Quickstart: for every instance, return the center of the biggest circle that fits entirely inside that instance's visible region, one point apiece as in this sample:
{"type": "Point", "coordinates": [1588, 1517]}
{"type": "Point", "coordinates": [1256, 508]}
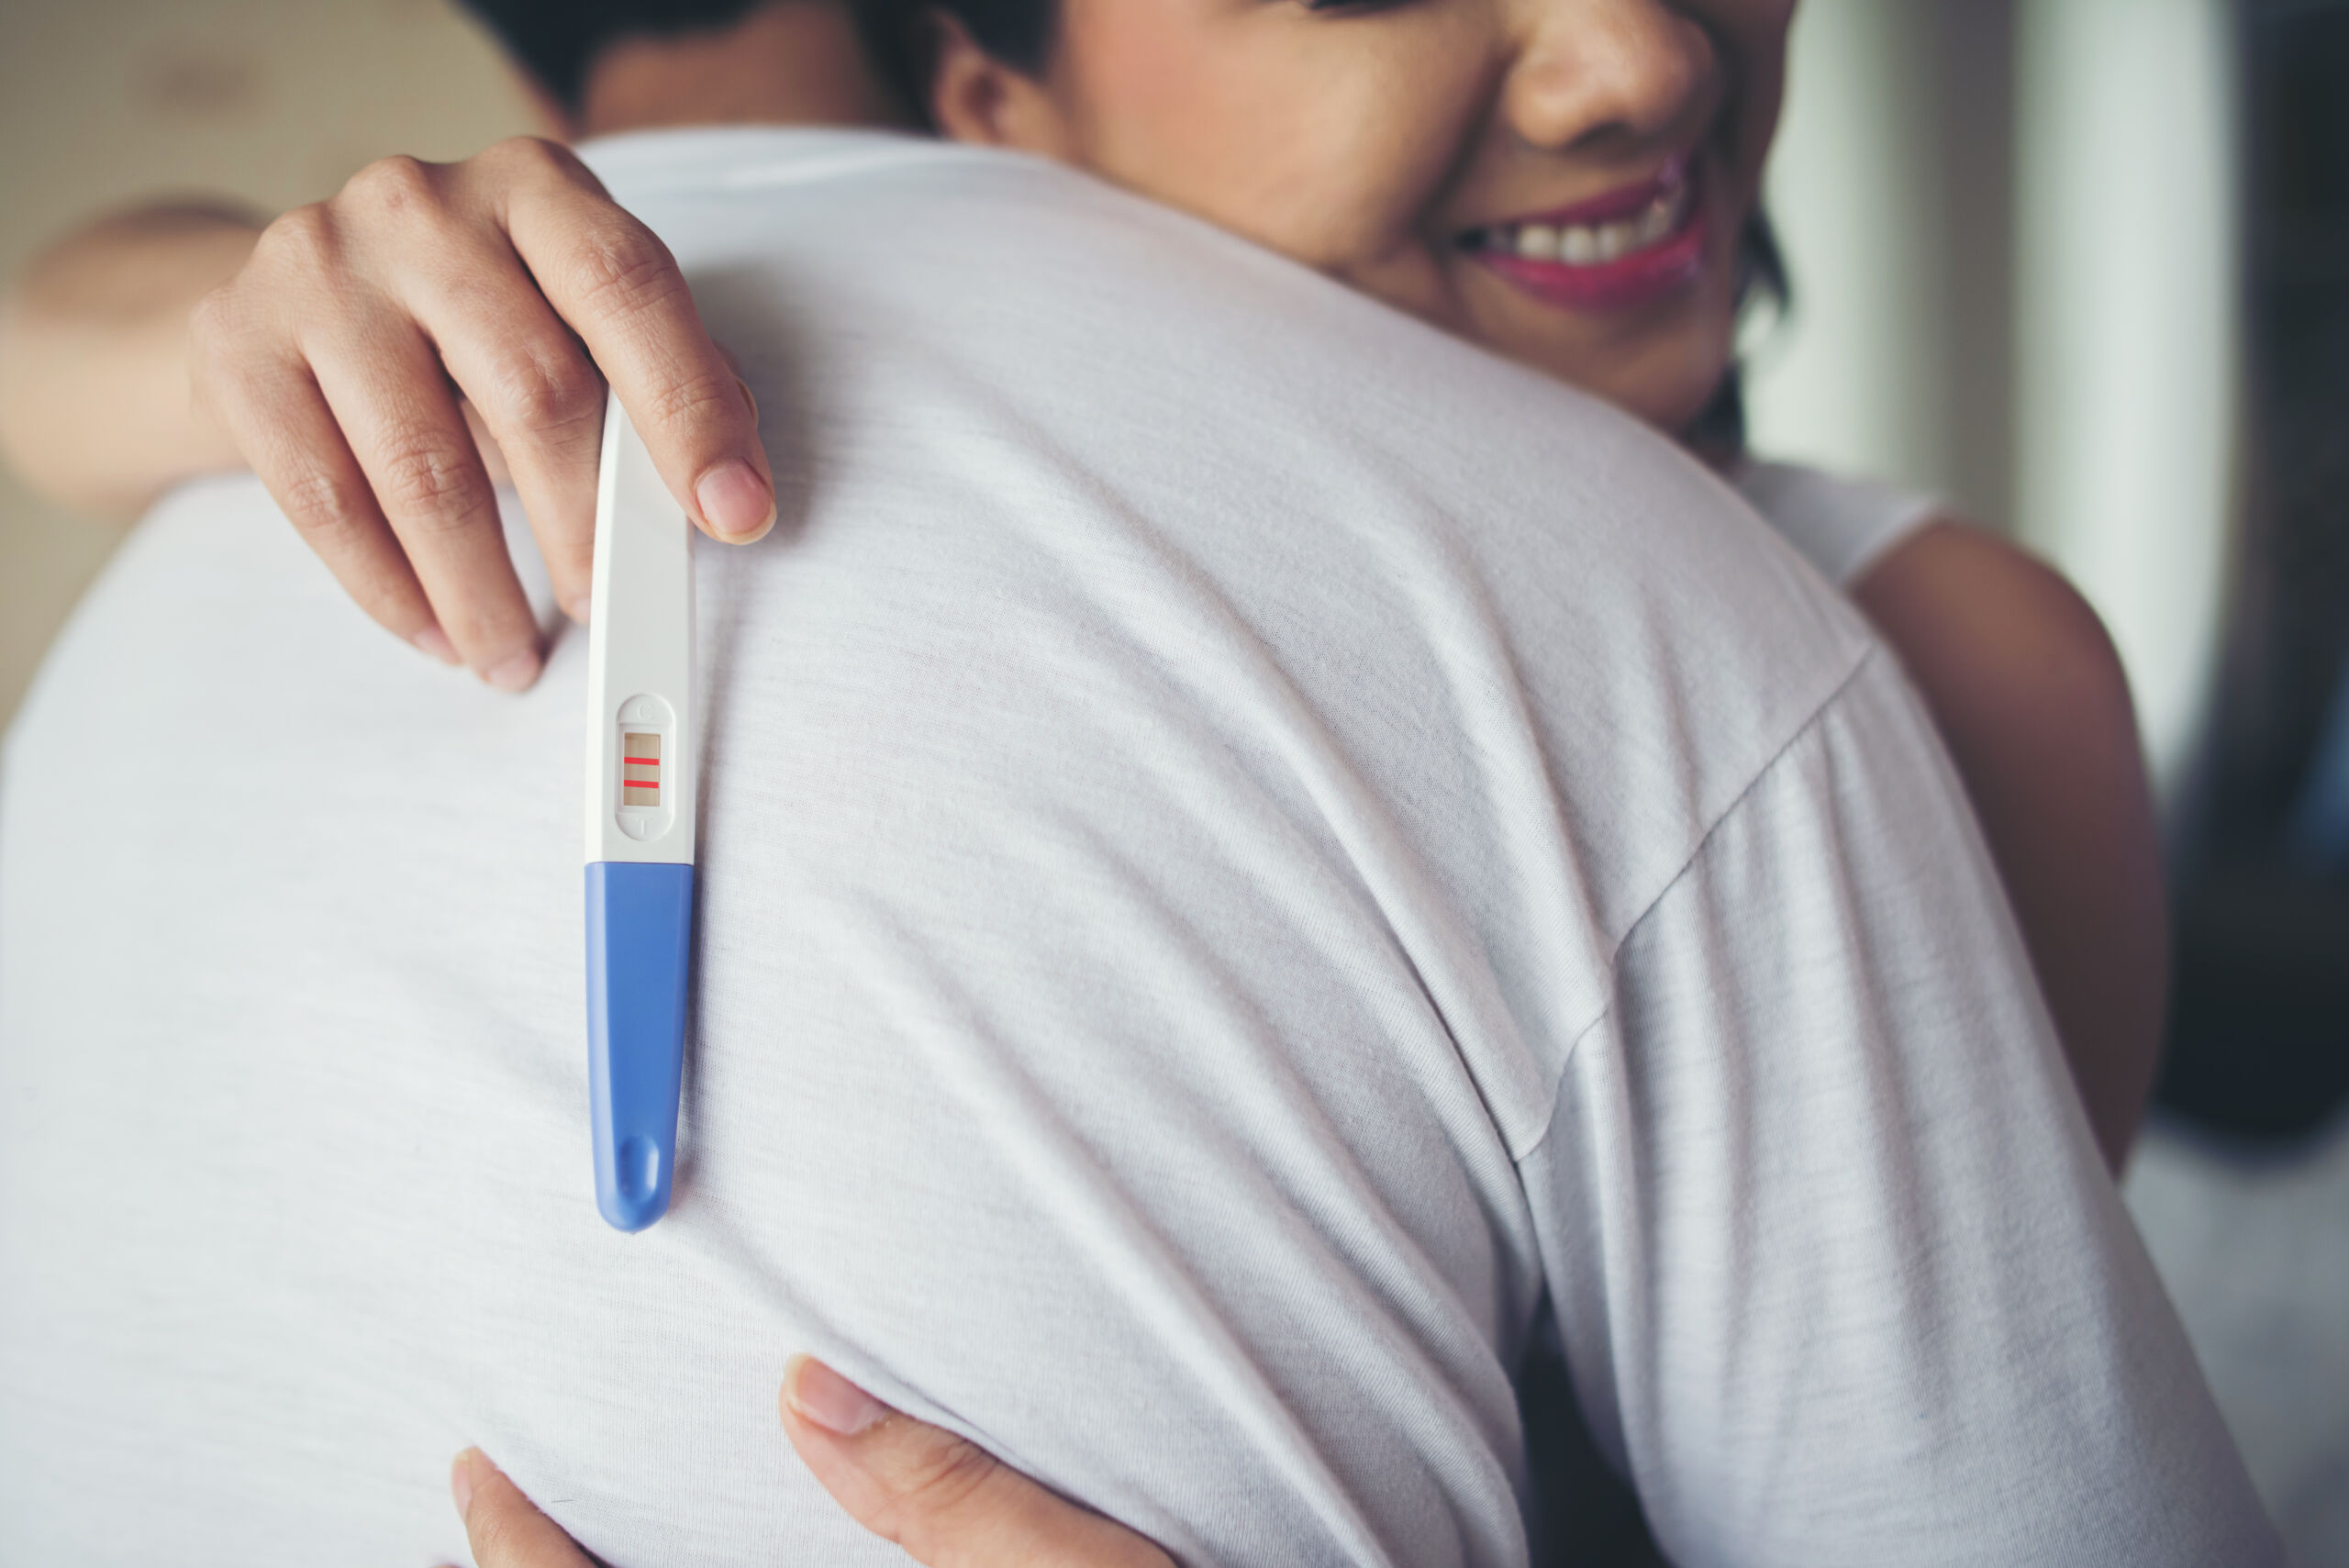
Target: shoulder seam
{"type": "Point", "coordinates": [1869, 655]}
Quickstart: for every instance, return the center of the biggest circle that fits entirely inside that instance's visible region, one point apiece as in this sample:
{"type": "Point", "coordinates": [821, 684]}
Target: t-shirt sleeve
{"type": "Point", "coordinates": [1839, 1275]}
{"type": "Point", "coordinates": [1842, 526]}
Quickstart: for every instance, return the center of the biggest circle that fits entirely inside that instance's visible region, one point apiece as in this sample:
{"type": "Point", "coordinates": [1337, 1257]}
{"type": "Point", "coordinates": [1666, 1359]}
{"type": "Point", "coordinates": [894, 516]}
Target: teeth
{"type": "Point", "coordinates": [1591, 244]}
{"type": "Point", "coordinates": [1655, 224]}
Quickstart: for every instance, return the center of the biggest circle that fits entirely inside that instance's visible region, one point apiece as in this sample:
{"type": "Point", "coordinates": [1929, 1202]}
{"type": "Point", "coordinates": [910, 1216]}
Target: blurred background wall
{"type": "Point", "coordinates": [2025, 279]}
{"type": "Point", "coordinates": [2011, 228]}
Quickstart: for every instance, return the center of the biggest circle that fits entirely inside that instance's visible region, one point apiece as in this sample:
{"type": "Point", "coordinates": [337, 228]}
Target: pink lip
{"type": "Point", "coordinates": [1622, 202]}
{"type": "Point", "coordinates": [1628, 282]}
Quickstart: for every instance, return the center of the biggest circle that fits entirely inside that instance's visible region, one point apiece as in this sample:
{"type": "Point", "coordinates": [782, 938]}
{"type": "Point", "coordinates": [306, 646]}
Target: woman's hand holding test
{"type": "Point", "coordinates": [336, 358]}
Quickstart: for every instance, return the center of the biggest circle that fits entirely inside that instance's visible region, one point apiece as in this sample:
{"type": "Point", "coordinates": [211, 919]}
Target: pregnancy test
{"type": "Point", "coordinates": [641, 793]}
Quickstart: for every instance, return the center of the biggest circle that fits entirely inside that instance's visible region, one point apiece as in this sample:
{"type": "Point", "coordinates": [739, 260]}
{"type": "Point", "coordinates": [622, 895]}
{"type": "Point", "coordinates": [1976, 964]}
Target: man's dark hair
{"type": "Point", "coordinates": [902, 37]}
{"type": "Point", "coordinates": [557, 41]}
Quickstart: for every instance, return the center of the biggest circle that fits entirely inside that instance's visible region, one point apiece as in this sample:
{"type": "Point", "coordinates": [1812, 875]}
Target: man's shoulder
{"type": "Point", "coordinates": [996, 332]}
{"type": "Point", "coordinates": [1099, 406]}
{"type": "Point", "coordinates": [1096, 508]}
{"type": "Point", "coordinates": [1087, 505]}
{"type": "Point", "coordinates": [1043, 436]}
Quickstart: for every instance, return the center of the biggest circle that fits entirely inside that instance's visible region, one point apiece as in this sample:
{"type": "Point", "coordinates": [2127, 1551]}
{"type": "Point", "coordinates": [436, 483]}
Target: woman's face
{"type": "Point", "coordinates": [1561, 180]}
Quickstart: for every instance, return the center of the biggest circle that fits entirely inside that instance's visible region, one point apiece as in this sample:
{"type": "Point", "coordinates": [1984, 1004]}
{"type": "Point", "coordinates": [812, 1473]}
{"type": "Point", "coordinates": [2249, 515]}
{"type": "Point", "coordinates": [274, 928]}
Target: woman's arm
{"type": "Point", "coordinates": [95, 409]}
{"type": "Point", "coordinates": [2030, 697]}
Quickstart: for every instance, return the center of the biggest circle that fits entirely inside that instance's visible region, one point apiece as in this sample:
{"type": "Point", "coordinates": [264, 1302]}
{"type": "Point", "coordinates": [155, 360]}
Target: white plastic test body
{"type": "Point", "coordinates": [641, 790]}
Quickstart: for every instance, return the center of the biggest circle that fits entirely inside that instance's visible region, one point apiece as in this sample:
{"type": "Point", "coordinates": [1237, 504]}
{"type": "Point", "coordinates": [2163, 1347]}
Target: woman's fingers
{"type": "Point", "coordinates": [506, 1529]}
{"type": "Point", "coordinates": [273, 411]}
{"type": "Point", "coordinates": [947, 1502]}
{"type": "Point", "coordinates": [336, 358]}
{"type": "Point", "coordinates": [397, 410]}
{"type": "Point", "coordinates": [538, 397]}
{"type": "Point", "coordinates": [526, 376]}
{"type": "Point", "coordinates": [613, 282]}
{"type": "Point", "coordinates": [327, 384]}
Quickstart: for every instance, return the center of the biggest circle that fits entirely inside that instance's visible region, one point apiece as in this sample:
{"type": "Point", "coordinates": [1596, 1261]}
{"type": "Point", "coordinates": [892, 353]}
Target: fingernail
{"type": "Point", "coordinates": [516, 673]}
{"type": "Point", "coordinates": [736, 501]}
{"type": "Point", "coordinates": [435, 641]}
{"type": "Point", "coordinates": [461, 1481]}
{"type": "Point", "coordinates": [829, 1400]}
{"type": "Point", "coordinates": [577, 607]}
{"type": "Point", "coordinates": [749, 398]}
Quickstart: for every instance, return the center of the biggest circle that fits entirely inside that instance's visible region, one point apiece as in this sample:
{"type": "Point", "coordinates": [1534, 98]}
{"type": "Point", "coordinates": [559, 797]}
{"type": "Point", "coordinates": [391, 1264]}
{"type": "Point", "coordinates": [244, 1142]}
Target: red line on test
{"type": "Point", "coordinates": [642, 762]}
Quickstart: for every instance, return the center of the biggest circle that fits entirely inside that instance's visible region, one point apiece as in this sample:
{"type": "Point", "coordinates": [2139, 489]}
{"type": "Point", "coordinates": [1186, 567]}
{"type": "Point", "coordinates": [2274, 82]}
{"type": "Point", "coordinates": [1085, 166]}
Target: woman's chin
{"type": "Point", "coordinates": [1662, 363]}
{"type": "Point", "coordinates": [1668, 390]}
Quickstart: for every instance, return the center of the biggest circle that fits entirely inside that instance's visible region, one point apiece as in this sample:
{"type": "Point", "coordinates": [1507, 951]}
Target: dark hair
{"type": "Point", "coordinates": [1760, 276]}
{"type": "Point", "coordinates": [1016, 32]}
{"type": "Point", "coordinates": [557, 41]}
{"type": "Point", "coordinates": [902, 37]}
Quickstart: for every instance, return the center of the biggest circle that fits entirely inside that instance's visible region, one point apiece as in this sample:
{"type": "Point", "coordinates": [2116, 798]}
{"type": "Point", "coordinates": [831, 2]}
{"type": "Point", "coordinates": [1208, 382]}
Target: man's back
{"type": "Point", "coordinates": [1250, 859]}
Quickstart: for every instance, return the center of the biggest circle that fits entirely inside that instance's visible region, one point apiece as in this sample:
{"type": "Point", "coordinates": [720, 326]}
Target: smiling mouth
{"type": "Point", "coordinates": [1595, 243]}
{"type": "Point", "coordinates": [1625, 249]}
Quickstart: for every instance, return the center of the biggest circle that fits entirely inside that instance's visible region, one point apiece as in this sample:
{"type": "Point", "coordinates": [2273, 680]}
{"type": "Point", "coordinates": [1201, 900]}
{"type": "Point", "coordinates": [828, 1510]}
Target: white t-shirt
{"type": "Point", "coordinates": [1842, 526]}
{"type": "Point", "coordinates": [1253, 859]}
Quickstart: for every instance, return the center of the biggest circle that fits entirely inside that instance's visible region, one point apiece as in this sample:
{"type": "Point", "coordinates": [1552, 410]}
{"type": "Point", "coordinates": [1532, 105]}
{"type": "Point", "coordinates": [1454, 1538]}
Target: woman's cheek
{"type": "Point", "coordinates": [1357, 183]}
{"type": "Point", "coordinates": [1329, 181]}
{"type": "Point", "coordinates": [1160, 103]}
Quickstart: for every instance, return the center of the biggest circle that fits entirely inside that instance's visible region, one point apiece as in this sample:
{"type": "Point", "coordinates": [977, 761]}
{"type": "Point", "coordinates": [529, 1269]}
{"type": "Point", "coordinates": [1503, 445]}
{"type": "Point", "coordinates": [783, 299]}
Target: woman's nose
{"type": "Point", "coordinates": [1592, 72]}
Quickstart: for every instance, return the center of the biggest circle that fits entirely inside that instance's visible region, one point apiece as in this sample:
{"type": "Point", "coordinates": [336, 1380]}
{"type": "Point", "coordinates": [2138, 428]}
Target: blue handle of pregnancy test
{"type": "Point", "coordinates": [639, 941]}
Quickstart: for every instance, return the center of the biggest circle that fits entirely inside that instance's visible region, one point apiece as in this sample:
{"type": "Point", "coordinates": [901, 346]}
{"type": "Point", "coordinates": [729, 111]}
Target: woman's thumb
{"type": "Point", "coordinates": [948, 1502]}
